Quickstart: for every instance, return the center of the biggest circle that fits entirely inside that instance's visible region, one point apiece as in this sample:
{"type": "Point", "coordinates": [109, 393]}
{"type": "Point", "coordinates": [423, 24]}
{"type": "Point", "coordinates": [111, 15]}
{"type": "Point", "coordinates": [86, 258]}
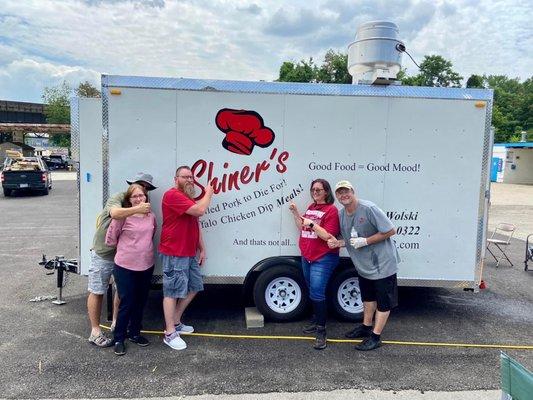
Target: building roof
{"type": "Point", "coordinates": [516, 145]}
{"type": "Point", "coordinates": [23, 146]}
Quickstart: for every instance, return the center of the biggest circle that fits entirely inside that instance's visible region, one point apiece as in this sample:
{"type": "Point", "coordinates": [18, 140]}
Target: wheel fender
{"type": "Point", "coordinates": [255, 271]}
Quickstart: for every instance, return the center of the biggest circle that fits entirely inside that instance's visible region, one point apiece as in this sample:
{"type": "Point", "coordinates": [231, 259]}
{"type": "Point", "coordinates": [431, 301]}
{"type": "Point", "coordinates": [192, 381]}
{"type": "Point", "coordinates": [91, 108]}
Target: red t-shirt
{"type": "Point", "coordinates": [327, 216]}
{"type": "Point", "coordinates": [180, 232]}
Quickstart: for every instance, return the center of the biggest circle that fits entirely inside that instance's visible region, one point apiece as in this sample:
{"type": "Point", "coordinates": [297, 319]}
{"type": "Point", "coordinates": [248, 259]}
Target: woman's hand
{"type": "Point", "coordinates": [293, 208]}
{"type": "Point", "coordinates": [306, 222]}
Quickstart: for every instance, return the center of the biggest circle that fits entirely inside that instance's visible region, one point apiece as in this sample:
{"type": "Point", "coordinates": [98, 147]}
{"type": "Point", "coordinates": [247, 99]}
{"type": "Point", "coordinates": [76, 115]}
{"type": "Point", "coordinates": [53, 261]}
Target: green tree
{"type": "Point", "coordinates": [435, 71]}
{"type": "Point", "coordinates": [513, 104]}
{"type": "Point", "coordinates": [57, 103]}
{"type": "Point", "coordinates": [525, 109]}
{"type": "Point", "coordinates": [59, 140]}
{"type": "Point", "coordinates": [303, 71]}
{"type": "Point", "coordinates": [334, 69]}
{"type": "Point", "coordinates": [57, 110]}
{"type": "Point", "coordinates": [86, 89]}
{"type": "Point", "coordinates": [475, 81]}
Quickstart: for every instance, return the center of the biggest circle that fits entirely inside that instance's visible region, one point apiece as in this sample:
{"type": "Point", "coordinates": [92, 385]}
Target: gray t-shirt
{"type": "Point", "coordinates": [375, 261]}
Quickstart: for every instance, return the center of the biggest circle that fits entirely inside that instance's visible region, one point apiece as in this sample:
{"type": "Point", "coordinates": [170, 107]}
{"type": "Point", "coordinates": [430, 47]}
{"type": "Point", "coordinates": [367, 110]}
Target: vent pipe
{"type": "Point", "coordinates": [376, 54]}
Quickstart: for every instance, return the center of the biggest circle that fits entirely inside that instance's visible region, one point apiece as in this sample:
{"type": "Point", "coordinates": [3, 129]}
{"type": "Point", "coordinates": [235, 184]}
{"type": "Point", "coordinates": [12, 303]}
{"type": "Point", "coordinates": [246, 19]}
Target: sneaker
{"type": "Point", "coordinates": [174, 341]}
{"type": "Point", "coordinates": [320, 338]}
{"type": "Point", "coordinates": [140, 340]}
{"type": "Point", "coordinates": [311, 328]}
{"type": "Point", "coordinates": [181, 328]}
{"type": "Point", "coordinates": [360, 331]}
{"type": "Point", "coordinates": [370, 343]}
{"type": "Point", "coordinates": [120, 348]}
{"type": "Point", "coordinates": [100, 340]}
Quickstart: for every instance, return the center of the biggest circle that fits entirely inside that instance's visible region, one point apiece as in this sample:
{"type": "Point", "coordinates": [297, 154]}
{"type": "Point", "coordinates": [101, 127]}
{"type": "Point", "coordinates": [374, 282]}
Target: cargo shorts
{"type": "Point", "coordinates": [100, 272]}
{"type": "Point", "coordinates": [181, 275]}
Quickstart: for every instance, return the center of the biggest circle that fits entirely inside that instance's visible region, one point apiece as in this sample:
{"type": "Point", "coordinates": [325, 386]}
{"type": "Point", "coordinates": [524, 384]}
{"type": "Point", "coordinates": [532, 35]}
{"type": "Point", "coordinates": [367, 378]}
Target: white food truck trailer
{"type": "Point", "coordinates": [420, 153]}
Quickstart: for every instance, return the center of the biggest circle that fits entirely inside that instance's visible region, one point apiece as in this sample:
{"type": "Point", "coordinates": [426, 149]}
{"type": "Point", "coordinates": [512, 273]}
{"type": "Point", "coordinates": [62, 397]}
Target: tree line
{"type": "Point", "coordinates": [512, 110]}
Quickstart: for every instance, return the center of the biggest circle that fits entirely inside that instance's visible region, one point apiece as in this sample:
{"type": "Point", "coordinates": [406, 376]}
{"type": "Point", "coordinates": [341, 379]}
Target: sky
{"type": "Point", "coordinates": [43, 42]}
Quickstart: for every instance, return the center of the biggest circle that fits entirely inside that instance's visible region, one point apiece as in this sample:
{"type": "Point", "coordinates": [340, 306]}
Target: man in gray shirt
{"type": "Point", "coordinates": [366, 232]}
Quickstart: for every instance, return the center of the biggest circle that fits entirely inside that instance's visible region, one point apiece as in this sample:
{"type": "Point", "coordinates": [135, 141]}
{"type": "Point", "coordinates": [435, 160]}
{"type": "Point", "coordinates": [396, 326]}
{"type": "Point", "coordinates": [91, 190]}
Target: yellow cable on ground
{"type": "Point", "coordinates": [352, 341]}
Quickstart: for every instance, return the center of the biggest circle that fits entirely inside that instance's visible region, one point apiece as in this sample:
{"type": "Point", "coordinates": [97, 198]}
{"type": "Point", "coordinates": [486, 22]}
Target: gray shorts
{"type": "Point", "coordinates": [181, 275]}
{"type": "Point", "coordinates": [100, 272]}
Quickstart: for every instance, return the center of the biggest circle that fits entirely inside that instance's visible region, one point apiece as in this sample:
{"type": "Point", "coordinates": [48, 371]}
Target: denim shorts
{"type": "Point", "coordinates": [181, 275]}
{"type": "Point", "coordinates": [100, 272]}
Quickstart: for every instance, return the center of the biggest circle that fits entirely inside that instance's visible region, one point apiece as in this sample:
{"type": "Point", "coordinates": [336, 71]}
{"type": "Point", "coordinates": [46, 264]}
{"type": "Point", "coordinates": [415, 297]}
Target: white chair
{"type": "Point", "coordinates": [507, 230]}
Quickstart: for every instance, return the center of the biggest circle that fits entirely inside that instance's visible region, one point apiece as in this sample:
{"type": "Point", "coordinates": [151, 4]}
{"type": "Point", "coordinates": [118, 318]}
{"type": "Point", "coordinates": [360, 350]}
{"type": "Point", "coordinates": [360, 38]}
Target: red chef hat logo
{"type": "Point", "coordinates": [244, 129]}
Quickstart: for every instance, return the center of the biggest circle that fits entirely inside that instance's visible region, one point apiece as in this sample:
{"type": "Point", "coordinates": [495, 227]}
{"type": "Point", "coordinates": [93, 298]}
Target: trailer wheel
{"type": "Point", "coordinates": [7, 192]}
{"type": "Point", "coordinates": [345, 296]}
{"type": "Point", "coordinates": [280, 293]}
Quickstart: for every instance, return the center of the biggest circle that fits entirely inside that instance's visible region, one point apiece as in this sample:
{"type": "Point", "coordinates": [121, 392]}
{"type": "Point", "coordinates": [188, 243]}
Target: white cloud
{"type": "Point", "coordinates": [25, 79]}
{"type": "Point", "coordinates": [44, 41]}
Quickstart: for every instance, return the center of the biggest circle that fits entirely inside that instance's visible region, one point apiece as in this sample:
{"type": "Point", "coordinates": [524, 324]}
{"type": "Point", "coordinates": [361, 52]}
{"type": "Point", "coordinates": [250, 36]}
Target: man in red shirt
{"type": "Point", "coordinates": [181, 241]}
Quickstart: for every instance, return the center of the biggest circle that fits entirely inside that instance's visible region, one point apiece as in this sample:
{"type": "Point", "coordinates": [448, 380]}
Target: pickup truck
{"type": "Point", "coordinates": [25, 174]}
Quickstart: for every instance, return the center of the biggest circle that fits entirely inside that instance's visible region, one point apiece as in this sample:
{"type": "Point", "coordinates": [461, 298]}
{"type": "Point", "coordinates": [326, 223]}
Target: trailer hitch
{"type": "Point", "coordinates": [61, 265]}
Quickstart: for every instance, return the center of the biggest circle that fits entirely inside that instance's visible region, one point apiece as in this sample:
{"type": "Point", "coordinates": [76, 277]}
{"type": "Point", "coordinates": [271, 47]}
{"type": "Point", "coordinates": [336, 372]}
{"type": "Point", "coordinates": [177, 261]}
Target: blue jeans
{"type": "Point", "coordinates": [317, 274]}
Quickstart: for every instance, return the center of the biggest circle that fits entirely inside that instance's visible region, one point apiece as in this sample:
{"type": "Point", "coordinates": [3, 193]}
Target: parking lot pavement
{"type": "Point", "coordinates": [64, 175]}
{"type": "Point", "coordinates": [512, 204]}
{"type": "Point", "coordinates": [45, 353]}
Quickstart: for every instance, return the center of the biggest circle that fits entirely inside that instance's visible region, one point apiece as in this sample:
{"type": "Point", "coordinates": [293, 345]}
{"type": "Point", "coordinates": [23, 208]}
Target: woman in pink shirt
{"type": "Point", "coordinates": [134, 266]}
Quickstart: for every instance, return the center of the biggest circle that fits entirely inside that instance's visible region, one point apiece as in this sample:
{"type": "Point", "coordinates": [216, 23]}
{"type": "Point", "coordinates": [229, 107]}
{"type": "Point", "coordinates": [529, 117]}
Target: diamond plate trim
{"type": "Point", "coordinates": [294, 88]}
{"type": "Point", "coordinates": [437, 283]}
{"type": "Point", "coordinates": [75, 152]}
{"type": "Point", "coordinates": [105, 145]}
{"type": "Point", "coordinates": [483, 192]}
{"type": "Point", "coordinates": [75, 129]}
{"type": "Point", "coordinates": [239, 280]}
{"type": "Point", "coordinates": [208, 280]}
{"type": "Point", "coordinates": [224, 280]}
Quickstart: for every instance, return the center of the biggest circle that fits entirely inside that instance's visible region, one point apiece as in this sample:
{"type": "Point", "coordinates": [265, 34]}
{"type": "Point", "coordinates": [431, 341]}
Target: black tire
{"type": "Point", "coordinates": [344, 295]}
{"type": "Point", "coordinates": [7, 192]}
{"type": "Point", "coordinates": [286, 281]}
{"type": "Point", "coordinates": [45, 191]}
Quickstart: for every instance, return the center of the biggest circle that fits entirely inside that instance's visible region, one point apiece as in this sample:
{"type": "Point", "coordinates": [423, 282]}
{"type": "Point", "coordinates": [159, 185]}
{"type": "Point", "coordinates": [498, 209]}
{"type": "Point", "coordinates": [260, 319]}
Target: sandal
{"type": "Point", "coordinates": [100, 340]}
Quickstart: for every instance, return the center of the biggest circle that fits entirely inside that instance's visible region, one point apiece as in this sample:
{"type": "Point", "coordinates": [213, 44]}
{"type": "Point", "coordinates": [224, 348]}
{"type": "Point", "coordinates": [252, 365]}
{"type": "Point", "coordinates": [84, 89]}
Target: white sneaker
{"type": "Point", "coordinates": [183, 329]}
{"type": "Point", "coordinates": [174, 341]}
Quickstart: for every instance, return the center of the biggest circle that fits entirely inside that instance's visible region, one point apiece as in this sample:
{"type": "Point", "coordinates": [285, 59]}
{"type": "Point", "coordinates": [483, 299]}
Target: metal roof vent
{"type": "Point", "coordinates": [376, 54]}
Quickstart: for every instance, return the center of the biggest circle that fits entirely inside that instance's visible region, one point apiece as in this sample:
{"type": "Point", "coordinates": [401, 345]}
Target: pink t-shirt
{"type": "Point", "coordinates": [133, 238]}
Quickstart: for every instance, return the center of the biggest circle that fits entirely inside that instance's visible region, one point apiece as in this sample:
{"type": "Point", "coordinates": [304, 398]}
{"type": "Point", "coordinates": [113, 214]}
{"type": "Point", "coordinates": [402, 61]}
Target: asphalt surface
{"type": "Point", "coordinates": [44, 352]}
{"type": "Point", "coordinates": [512, 204]}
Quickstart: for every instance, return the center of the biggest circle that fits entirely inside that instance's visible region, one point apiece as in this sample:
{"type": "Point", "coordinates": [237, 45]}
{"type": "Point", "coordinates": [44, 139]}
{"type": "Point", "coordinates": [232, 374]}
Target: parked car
{"type": "Point", "coordinates": [56, 162]}
{"type": "Point", "coordinates": [25, 174]}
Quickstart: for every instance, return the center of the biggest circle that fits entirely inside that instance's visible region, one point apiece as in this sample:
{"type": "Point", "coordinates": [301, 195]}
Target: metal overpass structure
{"type": "Point", "coordinates": [18, 118]}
